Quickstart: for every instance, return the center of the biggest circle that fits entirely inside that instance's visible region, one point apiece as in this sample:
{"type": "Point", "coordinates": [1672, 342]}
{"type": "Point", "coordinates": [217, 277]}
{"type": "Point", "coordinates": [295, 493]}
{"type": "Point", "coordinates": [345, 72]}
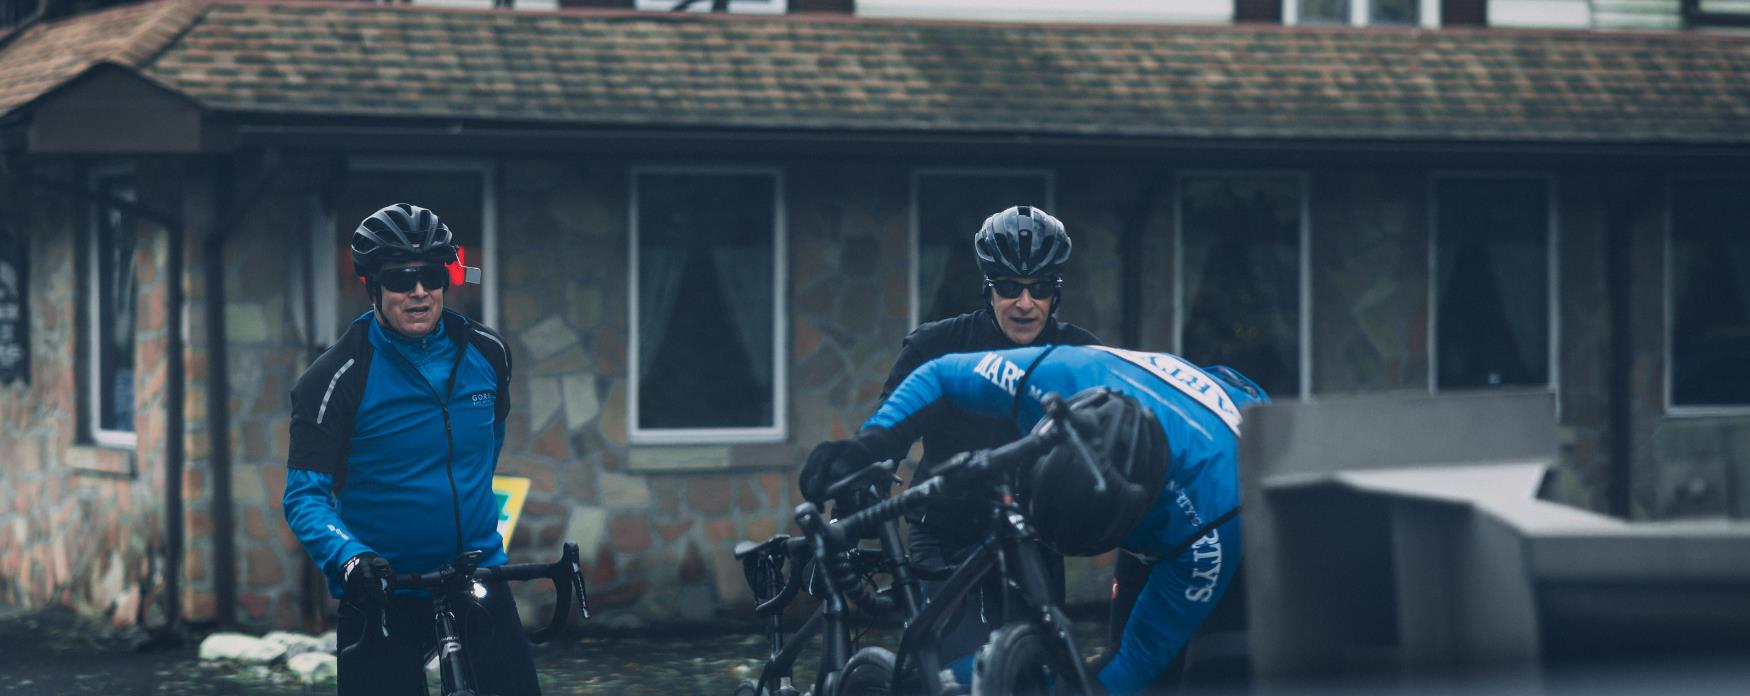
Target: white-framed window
{"type": "Point", "coordinates": [111, 301]}
{"type": "Point", "coordinates": [759, 7]}
{"type": "Point", "coordinates": [707, 340]}
{"type": "Point", "coordinates": [1492, 287]}
{"type": "Point", "coordinates": [1361, 13]}
{"type": "Point", "coordinates": [463, 193]}
{"type": "Point", "coordinates": [1241, 284]}
{"type": "Point", "coordinates": [1707, 296]}
{"type": "Point", "coordinates": [947, 208]}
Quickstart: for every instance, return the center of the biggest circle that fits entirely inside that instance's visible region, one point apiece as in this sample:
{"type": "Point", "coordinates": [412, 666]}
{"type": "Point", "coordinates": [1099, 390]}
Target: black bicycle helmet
{"type": "Point", "coordinates": [1064, 496]}
{"type": "Point", "coordinates": [1021, 242]}
{"type": "Point", "coordinates": [400, 232]}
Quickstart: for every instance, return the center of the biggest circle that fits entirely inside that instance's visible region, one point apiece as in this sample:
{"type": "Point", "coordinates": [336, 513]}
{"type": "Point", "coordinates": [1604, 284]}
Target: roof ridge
{"type": "Point", "coordinates": [155, 34]}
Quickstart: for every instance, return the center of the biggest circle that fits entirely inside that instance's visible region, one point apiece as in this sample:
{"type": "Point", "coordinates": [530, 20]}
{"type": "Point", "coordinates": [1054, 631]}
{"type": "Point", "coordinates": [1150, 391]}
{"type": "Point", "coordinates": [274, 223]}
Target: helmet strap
{"type": "Point", "coordinates": [374, 290]}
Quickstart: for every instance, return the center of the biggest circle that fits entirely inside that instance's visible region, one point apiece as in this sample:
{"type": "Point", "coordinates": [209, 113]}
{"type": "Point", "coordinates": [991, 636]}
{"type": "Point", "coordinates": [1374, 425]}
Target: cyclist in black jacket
{"type": "Point", "coordinates": [1021, 252]}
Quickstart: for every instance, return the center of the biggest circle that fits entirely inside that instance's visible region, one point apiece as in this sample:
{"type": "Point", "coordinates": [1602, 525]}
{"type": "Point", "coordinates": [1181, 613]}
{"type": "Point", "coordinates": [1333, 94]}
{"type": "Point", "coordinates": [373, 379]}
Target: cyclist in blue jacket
{"type": "Point", "coordinates": [1191, 526]}
{"type": "Point", "coordinates": [395, 435]}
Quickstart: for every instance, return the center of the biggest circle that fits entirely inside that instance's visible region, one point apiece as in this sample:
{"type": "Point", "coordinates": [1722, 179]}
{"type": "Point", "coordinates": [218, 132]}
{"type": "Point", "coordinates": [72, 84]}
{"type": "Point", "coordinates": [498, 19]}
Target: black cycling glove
{"type": "Point", "coordinates": [833, 460]}
{"type": "Point", "coordinates": [366, 577]}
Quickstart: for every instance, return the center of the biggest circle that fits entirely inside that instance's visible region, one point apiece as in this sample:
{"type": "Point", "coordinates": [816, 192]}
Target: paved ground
{"type": "Point", "coordinates": [54, 653]}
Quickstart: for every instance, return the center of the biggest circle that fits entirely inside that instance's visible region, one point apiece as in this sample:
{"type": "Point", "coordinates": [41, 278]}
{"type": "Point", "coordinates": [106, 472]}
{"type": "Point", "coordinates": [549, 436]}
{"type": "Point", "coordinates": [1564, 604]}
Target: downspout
{"type": "Point", "coordinates": [175, 451]}
{"type": "Point", "coordinates": [228, 210]}
{"type": "Point", "coordinates": [1130, 238]}
{"type": "Point", "coordinates": [1618, 280]}
{"type": "Point", "coordinates": [218, 403]}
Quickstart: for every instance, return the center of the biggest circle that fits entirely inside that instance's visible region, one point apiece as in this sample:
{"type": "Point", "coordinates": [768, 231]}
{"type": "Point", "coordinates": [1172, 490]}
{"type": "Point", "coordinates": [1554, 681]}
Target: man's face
{"type": "Point", "coordinates": [1023, 316]}
{"type": "Point", "coordinates": [415, 311]}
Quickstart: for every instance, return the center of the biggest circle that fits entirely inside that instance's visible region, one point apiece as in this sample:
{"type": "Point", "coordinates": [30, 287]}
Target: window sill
{"type": "Point", "coordinates": [1696, 412]}
{"type": "Point", "coordinates": [720, 457]}
{"type": "Point", "coordinates": [102, 459]}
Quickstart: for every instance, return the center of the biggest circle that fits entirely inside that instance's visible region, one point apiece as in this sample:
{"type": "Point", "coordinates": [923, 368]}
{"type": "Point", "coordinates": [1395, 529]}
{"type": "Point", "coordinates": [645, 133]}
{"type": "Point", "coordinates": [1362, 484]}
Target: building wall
{"type": "Point", "coordinates": [656, 523]}
{"type": "Point", "coordinates": [83, 526]}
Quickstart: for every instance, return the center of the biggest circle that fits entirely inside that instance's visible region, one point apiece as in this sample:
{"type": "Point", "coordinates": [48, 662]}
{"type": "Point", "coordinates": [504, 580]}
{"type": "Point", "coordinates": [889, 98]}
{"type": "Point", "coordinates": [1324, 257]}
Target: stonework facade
{"type": "Point", "coordinates": [85, 526]}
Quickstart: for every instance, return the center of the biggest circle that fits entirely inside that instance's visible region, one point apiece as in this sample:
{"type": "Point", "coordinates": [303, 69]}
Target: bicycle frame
{"type": "Point", "coordinates": [1006, 552]}
{"type": "Point", "coordinates": [807, 556]}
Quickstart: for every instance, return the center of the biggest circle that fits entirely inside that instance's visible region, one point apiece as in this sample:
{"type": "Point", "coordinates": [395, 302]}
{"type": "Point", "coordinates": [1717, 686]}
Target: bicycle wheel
{"type": "Point", "coordinates": [867, 673]}
{"type": "Point", "coordinates": [749, 687]}
{"type": "Point", "coordinates": [1021, 659]}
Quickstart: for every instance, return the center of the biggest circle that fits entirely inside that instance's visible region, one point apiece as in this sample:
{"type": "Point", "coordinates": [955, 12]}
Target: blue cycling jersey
{"type": "Point", "coordinates": [418, 444]}
{"type": "Point", "coordinates": [1200, 410]}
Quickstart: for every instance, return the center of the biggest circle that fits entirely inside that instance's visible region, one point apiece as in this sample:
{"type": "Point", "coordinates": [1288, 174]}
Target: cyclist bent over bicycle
{"type": "Point", "coordinates": [1189, 520]}
{"type": "Point", "coordinates": [395, 435]}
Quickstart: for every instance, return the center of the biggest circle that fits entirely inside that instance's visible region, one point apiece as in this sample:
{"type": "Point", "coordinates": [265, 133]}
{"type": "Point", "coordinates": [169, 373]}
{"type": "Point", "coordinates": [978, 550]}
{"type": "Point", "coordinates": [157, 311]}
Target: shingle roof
{"type": "Point", "coordinates": [596, 68]}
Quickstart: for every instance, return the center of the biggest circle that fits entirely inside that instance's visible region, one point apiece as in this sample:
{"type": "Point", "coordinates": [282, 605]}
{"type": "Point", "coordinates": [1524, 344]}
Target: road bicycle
{"type": "Point", "coordinates": [764, 565]}
{"type": "Point", "coordinates": [461, 584]}
{"type": "Point", "coordinates": [1035, 651]}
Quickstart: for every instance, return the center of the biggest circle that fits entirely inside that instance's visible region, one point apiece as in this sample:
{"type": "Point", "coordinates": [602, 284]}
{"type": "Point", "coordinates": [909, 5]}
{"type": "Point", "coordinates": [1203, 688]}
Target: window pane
{"type": "Point", "coordinates": [951, 207]}
{"type": "Point", "coordinates": [116, 290]}
{"type": "Point", "coordinates": [1492, 282]}
{"type": "Point", "coordinates": [1324, 11]}
{"type": "Point", "coordinates": [1240, 266]}
{"type": "Point", "coordinates": [705, 301]}
{"type": "Point", "coordinates": [1710, 286]}
{"type": "Point", "coordinates": [458, 198]}
{"type": "Point", "coordinates": [14, 305]}
{"type": "Point", "coordinates": [1394, 11]}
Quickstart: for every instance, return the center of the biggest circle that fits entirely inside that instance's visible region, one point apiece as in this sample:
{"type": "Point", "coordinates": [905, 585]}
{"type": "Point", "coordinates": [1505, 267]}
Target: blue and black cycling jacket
{"type": "Point", "coordinates": [1200, 411]}
{"type": "Point", "coordinates": [394, 442]}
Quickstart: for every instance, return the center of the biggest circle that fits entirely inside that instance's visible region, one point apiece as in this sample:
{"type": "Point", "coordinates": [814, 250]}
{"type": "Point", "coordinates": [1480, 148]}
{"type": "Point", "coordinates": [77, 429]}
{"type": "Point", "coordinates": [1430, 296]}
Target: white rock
{"type": "Point", "coordinates": [313, 667]}
{"type": "Point", "coordinates": [330, 642]}
{"type": "Point", "coordinates": [296, 643]}
{"type": "Point", "coordinates": [242, 648]}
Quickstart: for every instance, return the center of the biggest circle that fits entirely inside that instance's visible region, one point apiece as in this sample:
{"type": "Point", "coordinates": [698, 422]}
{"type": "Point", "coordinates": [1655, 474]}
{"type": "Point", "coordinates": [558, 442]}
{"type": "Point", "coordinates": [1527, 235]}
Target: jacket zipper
{"type": "Point", "coordinates": [449, 433]}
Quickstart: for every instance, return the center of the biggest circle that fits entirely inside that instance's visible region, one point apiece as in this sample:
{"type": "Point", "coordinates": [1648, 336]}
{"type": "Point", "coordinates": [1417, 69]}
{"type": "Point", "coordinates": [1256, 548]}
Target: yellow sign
{"type": "Point", "coordinates": [510, 492]}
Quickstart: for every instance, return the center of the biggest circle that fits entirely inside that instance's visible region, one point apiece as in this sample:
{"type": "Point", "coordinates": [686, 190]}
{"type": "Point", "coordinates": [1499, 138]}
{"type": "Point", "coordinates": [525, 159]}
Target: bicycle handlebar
{"type": "Point", "coordinates": [566, 574]}
{"type": "Point", "coordinates": [957, 470]}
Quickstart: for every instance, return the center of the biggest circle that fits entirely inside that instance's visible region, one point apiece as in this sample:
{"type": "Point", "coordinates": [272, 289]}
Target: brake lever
{"type": "Point", "coordinates": [568, 586]}
{"type": "Point", "coordinates": [866, 476]}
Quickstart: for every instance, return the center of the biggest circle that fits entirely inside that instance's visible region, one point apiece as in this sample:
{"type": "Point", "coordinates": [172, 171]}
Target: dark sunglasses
{"type": "Point", "coordinates": [1011, 289]}
{"type": "Point", "coordinates": [402, 279]}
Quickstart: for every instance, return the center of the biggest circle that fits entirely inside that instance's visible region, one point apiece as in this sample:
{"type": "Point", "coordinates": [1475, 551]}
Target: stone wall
{"type": "Point", "coordinates": [266, 351]}
{"type": "Point", "coordinates": [83, 526]}
{"type": "Point", "coordinates": [1369, 244]}
{"type": "Point", "coordinates": [656, 523]}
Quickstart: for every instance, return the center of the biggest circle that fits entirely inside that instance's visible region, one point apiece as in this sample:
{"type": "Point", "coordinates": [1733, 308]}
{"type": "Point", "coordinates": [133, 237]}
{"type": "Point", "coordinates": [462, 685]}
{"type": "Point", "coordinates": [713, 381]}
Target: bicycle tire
{"type": "Point", "coordinates": [751, 687]}
{"type": "Point", "coordinates": [1019, 660]}
{"type": "Point", "coordinates": [867, 673]}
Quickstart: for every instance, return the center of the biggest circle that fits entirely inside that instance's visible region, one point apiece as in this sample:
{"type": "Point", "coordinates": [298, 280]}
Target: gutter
{"type": "Point", "coordinates": [463, 137]}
